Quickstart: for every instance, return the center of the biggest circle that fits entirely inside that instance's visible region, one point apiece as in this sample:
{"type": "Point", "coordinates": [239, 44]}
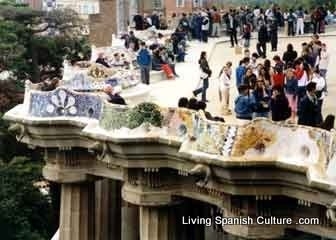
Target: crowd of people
{"type": "Point", "coordinates": [213, 22]}
{"type": "Point", "coordinates": [291, 87]}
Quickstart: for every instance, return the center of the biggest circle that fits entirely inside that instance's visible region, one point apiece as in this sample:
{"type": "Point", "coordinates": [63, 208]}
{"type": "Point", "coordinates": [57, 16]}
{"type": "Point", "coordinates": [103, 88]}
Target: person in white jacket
{"type": "Point", "coordinates": [320, 86]}
{"type": "Point", "coordinates": [323, 63]}
{"type": "Point", "coordinates": [224, 85]}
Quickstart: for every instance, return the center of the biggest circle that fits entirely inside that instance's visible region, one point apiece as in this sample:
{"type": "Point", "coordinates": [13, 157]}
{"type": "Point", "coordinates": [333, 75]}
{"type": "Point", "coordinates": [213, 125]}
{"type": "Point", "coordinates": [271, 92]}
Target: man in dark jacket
{"type": "Point", "coordinates": [309, 112]}
{"type": "Point", "coordinates": [279, 105]}
{"type": "Point", "coordinates": [232, 25]}
{"type": "Point", "coordinates": [262, 40]}
{"type": "Point", "coordinates": [274, 35]}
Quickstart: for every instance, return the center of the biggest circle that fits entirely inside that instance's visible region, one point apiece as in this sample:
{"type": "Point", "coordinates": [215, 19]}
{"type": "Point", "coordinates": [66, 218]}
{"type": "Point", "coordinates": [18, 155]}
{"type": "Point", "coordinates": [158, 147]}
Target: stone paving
{"type": "Point", "coordinates": [168, 92]}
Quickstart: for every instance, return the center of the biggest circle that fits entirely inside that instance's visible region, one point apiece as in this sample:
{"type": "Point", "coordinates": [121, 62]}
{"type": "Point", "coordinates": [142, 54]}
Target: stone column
{"type": "Point", "coordinates": [77, 211]}
{"type": "Point", "coordinates": [130, 221]}
{"type": "Point", "coordinates": [114, 191]}
{"type": "Point", "coordinates": [154, 223]}
{"type": "Point", "coordinates": [107, 210]}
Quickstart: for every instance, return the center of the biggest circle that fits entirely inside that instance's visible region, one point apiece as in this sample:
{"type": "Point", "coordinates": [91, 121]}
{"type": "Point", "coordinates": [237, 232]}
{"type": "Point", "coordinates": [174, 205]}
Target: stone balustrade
{"type": "Point", "coordinates": [159, 158]}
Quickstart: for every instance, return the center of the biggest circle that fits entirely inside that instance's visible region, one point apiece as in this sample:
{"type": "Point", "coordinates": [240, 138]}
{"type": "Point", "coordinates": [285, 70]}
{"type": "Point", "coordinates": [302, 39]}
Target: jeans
{"type": "Point", "coordinates": [262, 114]}
{"type": "Point", "coordinates": [215, 29]}
{"type": "Point", "coordinates": [261, 49]}
{"type": "Point", "coordinates": [204, 34]}
{"type": "Point", "coordinates": [233, 37]}
{"type": "Point", "coordinates": [144, 73]}
{"type": "Point", "coordinates": [202, 89]}
{"type": "Point", "coordinates": [299, 26]}
{"type": "Point", "coordinates": [301, 93]}
{"type": "Point", "coordinates": [290, 28]}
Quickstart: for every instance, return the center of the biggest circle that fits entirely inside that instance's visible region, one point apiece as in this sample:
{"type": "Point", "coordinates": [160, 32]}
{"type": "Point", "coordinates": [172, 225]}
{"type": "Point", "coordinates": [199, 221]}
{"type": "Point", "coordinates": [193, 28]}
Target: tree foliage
{"type": "Point", "coordinates": [33, 43]}
{"type": "Point", "coordinates": [24, 212]}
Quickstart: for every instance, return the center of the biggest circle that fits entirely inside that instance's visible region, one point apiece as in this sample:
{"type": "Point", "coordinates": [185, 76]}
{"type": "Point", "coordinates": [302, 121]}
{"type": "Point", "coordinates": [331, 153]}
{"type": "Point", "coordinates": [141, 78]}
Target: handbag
{"type": "Point", "coordinates": [203, 75]}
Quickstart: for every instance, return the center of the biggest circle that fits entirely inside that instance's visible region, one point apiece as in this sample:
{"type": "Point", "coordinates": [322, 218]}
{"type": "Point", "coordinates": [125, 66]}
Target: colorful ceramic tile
{"type": "Point", "coordinates": [62, 102]}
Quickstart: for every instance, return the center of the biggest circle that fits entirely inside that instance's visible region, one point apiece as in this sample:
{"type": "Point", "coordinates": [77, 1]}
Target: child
{"type": "Point", "coordinates": [244, 103]}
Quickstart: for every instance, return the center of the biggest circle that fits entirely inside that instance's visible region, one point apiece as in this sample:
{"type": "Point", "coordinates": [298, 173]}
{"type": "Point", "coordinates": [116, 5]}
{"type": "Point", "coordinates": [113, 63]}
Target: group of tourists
{"type": "Point", "coordinates": [213, 22]}
{"type": "Point", "coordinates": [291, 87]}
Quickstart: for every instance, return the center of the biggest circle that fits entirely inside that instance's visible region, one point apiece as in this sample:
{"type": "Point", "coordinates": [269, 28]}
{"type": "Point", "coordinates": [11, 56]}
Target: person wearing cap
{"type": "Point", "coordinates": [309, 112]}
{"type": "Point", "coordinates": [244, 103]}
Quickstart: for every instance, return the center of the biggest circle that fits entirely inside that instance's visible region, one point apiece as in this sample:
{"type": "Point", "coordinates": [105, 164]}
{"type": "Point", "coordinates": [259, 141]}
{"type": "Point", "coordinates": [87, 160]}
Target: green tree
{"type": "Point", "coordinates": [26, 46]}
{"type": "Point", "coordinates": [24, 212]}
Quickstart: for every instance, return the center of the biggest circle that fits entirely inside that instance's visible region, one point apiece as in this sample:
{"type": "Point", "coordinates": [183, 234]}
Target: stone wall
{"type": "Point", "coordinates": [103, 25]}
{"type": "Point", "coordinates": [170, 7]}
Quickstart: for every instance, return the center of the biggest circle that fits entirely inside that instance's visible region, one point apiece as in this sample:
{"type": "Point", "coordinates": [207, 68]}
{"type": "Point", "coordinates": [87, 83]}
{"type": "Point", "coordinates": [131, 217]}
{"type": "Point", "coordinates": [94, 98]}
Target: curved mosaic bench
{"type": "Point", "coordinates": [63, 103]}
{"type": "Point", "coordinates": [260, 139]}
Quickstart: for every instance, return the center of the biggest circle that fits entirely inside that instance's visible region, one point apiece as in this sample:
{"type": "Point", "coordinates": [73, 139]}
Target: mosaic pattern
{"type": "Point", "coordinates": [62, 102]}
{"type": "Point", "coordinates": [229, 140]}
{"type": "Point", "coordinates": [211, 137]}
{"type": "Point", "coordinates": [113, 117]}
{"type": "Point", "coordinates": [178, 122]}
{"type": "Point", "coordinates": [81, 82]}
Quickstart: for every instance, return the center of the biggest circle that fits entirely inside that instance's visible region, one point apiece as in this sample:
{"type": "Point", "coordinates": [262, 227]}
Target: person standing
{"type": "Point", "coordinates": [247, 34]}
{"type": "Point", "coordinates": [240, 71]}
{"type": "Point", "coordinates": [274, 35]}
{"type": "Point", "coordinates": [144, 60]}
{"type": "Point", "coordinates": [324, 62]}
{"type": "Point", "coordinates": [289, 56]}
{"type": "Point", "coordinates": [224, 84]}
{"type": "Point", "coordinates": [205, 73]}
{"type": "Point", "coordinates": [300, 22]}
{"type": "Point", "coordinates": [320, 86]}
{"type": "Point", "coordinates": [232, 28]}
{"type": "Point", "coordinates": [291, 20]}
{"type": "Point", "coordinates": [216, 20]}
{"type": "Point", "coordinates": [262, 40]}
{"type": "Point", "coordinates": [205, 27]}
{"type": "Point", "coordinates": [291, 88]}
{"type": "Point", "coordinates": [309, 112]}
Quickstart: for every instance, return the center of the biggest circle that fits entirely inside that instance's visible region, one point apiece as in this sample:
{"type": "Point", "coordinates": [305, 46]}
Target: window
{"type": "Point", "coordinates": [179, 3]}
{"type": "Point", "coordinates": [157, 4]}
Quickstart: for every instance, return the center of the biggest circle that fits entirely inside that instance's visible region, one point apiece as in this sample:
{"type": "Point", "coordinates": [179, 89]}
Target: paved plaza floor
{"type": "Point", "coordinates": [168, 92]}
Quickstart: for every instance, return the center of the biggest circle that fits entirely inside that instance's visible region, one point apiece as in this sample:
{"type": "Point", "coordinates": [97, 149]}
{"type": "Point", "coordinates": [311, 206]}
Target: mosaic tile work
{"type": "Point", "coordinates": [178, 122]}
{"type": "Point", "coordinates": [212, 137]}
{"type": "Point", "coordinates": [113, 117]}
{"type": "Point", "coordinates": [62, 102]}
{"type": "Point", "coordinates": [82, 82]}
{"type": "Point", "coordinates": [229, 140]}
